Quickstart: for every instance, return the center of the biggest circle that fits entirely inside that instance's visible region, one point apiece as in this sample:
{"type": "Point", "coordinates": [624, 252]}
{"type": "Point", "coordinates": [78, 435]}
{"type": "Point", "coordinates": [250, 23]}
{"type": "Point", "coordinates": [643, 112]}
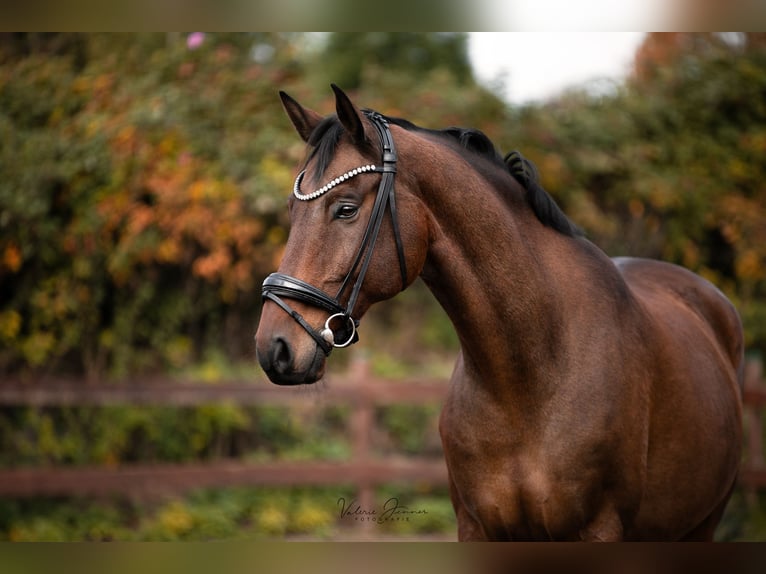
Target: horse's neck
{"type": "Point", "coordinates": [484, 274]}
{"type": "Point", "coordinates": [495, 269]}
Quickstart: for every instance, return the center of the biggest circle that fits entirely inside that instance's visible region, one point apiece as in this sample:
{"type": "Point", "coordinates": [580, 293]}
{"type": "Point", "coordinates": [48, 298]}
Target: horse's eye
{"type": "Point", "coordinates": [346, 211]}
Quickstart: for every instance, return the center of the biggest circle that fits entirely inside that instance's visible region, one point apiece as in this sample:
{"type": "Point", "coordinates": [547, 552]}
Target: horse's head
{"type": "Point", "coordinates": [355, 239]}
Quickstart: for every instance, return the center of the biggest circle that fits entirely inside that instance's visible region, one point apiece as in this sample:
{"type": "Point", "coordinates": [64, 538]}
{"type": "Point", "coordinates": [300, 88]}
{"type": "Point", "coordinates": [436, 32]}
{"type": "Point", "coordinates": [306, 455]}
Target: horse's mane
{"type": "Point", "coordinates": [541, 202]}
{"type": "Point", "coordinates": [326, 136]}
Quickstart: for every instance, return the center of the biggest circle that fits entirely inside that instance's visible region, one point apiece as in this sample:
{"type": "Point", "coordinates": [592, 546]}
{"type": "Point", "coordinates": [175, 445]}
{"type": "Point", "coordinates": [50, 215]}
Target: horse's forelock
{"type": "Point", "coordinates": [324, 142]}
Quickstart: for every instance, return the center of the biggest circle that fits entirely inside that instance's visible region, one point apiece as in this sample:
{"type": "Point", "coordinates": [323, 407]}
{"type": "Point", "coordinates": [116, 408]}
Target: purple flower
{"type": "Point", "coordinates": [195, 40]}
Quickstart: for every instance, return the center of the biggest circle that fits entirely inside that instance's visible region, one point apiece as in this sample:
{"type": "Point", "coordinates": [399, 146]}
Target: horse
{"type": "Point", "coordinates": [592, 398]}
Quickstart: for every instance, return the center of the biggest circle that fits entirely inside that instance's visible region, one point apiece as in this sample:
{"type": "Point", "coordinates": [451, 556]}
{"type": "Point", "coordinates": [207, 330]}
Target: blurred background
{"type": "Point", "coordinates": [143, 181]}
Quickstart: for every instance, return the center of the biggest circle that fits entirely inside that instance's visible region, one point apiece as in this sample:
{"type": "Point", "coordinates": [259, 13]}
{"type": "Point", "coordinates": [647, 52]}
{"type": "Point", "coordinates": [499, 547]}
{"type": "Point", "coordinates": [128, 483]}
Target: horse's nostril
{"type": "Point", "coordinates": [282, 357]}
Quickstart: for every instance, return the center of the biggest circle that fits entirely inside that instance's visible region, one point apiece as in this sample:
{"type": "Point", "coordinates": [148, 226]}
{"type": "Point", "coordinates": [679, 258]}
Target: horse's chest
{"type": "Point", "coordinates": [511, 503]}
{"type": "Point", "coordinates": [515, 491]}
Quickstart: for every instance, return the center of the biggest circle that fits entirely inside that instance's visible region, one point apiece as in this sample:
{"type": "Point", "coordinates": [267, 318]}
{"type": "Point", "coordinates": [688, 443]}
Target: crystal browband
{"type": "Point", "coordinates": [322, 190]}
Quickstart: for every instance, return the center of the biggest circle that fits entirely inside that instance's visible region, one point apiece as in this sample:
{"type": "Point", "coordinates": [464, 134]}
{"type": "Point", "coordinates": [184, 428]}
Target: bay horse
{"type": "Point", "coordinates": [592, 398]}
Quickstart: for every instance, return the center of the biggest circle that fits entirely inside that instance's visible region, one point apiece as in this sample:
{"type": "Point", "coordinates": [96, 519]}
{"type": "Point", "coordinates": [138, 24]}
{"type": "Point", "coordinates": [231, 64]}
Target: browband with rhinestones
{"type": "Point", "coordinates": [322, 190]}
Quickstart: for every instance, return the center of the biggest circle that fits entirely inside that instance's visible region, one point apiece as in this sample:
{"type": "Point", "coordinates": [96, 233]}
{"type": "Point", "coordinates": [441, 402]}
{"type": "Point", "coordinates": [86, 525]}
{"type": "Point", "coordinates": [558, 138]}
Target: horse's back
{"type": "Point", "coordinates": [663, 286]}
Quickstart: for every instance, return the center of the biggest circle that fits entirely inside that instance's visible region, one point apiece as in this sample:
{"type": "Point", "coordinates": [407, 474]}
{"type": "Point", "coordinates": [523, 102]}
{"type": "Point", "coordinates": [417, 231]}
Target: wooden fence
{"type": "Point", "coordinates": [358, 389]}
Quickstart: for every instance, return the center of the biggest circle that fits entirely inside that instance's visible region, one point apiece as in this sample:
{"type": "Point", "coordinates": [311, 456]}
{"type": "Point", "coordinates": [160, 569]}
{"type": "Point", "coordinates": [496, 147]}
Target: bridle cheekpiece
{"type": "Point", "coordinates": [278, 285]}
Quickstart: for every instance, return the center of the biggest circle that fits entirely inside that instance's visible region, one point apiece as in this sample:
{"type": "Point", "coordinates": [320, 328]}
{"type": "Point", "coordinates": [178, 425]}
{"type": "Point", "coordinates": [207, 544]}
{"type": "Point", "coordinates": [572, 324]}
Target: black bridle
{"type": "Point", "coordinates": [278, 285]}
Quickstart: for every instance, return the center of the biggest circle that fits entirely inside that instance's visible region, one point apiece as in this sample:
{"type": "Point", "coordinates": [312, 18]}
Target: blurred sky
{"type": "Point", "coordinates": [533, 66]}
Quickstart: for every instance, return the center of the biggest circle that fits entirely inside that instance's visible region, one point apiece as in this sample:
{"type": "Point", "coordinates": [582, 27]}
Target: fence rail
{"type": "Point", "coordinates": [159, 480]}
{"type": "Point", "coordinates": [359, 388]}
{"type": "Point", "coordinates": [364, 471]}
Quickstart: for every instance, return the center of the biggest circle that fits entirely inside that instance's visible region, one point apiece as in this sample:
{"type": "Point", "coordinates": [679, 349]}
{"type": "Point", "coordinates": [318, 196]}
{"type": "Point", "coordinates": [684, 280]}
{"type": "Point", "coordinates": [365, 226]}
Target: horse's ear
{"type": "Point", "coordinates": [348, 114]}
{"type": "Point", "coordinates": [304, 119]}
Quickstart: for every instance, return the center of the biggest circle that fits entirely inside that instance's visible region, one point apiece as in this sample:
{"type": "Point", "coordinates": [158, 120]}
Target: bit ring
{"type": "Point", "coordinates": [328, 335]}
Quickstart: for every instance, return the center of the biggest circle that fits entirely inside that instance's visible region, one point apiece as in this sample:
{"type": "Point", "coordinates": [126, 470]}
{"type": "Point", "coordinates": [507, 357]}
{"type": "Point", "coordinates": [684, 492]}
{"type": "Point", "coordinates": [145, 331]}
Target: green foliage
{"type": "Point", "coordinates": [65, 521]}
{"type": "Point", "coordinates": [411, 53]}
{"type": "Point", "coordinates": [144, 177]}
{"type": "Point", "coordinates": [744, 519]}
{"type": "Point", "coordinates": [409, 429]}
{"type": "Point", "coordinates": [218, 514]}
{"type": "Point", "coordinates": [224, 514]}
{"type": "Point", "coordinates": [113, 435]}
{"type": "Point", "coordinates": [137, 206]}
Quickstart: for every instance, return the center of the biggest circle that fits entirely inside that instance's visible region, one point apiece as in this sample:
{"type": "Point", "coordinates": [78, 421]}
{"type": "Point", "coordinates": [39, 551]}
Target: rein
{"type": "Point", "coordinates": [278, 285]}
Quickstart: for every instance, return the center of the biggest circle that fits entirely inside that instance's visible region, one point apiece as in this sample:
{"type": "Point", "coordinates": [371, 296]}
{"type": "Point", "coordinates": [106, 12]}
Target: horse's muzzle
{"type": "Point", "coordinates": [281, 364]}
